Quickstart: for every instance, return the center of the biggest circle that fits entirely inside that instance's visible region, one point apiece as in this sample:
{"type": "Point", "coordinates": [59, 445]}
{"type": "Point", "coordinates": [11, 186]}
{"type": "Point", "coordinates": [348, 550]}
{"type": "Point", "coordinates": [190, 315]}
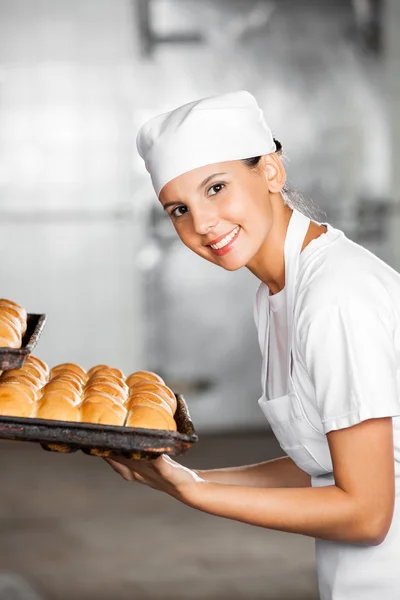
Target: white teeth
{"type": "Point", "coordinates": [226, 239]}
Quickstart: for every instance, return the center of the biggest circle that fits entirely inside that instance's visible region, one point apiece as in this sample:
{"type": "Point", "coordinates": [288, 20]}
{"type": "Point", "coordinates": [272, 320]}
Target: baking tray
{"type": "Point", "coordinates": [14, 358]}
{"type": "Point", "coordinates": [104, 440]}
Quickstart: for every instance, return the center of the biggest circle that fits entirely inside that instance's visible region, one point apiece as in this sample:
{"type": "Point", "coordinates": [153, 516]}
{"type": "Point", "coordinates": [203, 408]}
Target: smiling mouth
{"type": "Point", "coordinates": [226, 240]}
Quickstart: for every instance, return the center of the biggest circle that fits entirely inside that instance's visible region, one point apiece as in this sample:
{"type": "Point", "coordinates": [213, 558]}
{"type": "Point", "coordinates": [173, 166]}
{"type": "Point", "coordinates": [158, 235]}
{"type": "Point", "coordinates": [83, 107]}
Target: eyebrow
{"type": "Point", "coordinates": [202, 184]}
{"type": "Point", "coordinates": [207, 179]}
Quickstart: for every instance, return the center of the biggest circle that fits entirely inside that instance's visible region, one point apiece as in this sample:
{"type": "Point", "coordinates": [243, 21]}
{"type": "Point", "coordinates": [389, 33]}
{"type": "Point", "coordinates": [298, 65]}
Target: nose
{"type": "Point", "coordinates": [204, 221]}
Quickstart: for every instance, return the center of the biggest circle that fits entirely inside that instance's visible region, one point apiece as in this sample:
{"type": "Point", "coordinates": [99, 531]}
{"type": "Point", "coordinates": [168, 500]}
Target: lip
{"type": "Point", "coordinates": [221, 237]}
{"type": "Point", "coordinates": [228, 247]}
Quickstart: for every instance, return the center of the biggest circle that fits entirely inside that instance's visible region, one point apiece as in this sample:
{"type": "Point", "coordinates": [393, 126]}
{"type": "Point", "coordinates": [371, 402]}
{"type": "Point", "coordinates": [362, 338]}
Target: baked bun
{"type": "Point", "coordinates": [15, 306]}
{"type": "Point", "coordinates": [13, 312]}
{"type": "Point", "coordinates": [110, 378]}
{"type": "Point", "coordinates": [70, 368]}
{"type": "Point", "coordinates": [12, 379]}
{"type": "Point", "coordinates": [102, 398]}
{"type": "Point", "coordinates": [57, 408]}
{"type": "Point", "coordinates": [105, 387]}
{"type": "Point", "coordinates": [140, 376]}
{"type": "Point", "coordinates": [10, 336]}
{"type": "Point", "coordinates": [35, 372]}
{"type": "Point", "coordinates": [106, 370]}
{"type": "Point", "coordinates": [102, 413]}
{"type": "Point", "coordinates": [71, 379]}
{"type": "Point", "coordinates": [159, 389]}
{"type": "Point", "coordinates": [146, 398]}
{"type": "Point", "coordinates": [53, 391]}
{"type": "Point", "coordinates": [150, 417]}
{"type": "Point", "coordinates": [39, 364]}
{"type": "Point", "coordinates": [15, 402]}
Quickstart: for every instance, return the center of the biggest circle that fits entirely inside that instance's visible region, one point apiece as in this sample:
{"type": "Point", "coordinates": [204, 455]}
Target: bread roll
{"type": "Point", "coordinates": [71, 367]}
{"type": "Point", "coordinates": [21, 387]}
{"type": "Point", "coordinates": [57, 408]}
{"type": "Point", "coordinates": [98, 378]}
{"type": "Point", "coordinates": [12, 304]}
{"type": "Point", "coordinates": [35, 371]}
{"type": "Point", "coordinates": [39, 364]}
{"type": "Point", "coordinates": [106, 370]}
{"type": "Point", "coordinates": [102, 398]}
{"type": "Point", "coordinates": [55, 391]}
{"type": "Point", "coordinates": [14, 402]}
{"type": "Point", "coordinates": [21, 379]}
{"type": "Point", "coordinates": [16, 314]}
{"type": "Point", "coordinates": [148, 417]}
{"type": "Point", "coordinates": [73, 381]}
{"type": "Point", "coordinates": [107, 388]}
{"type": "Point", "coordinates": [10, 338]}
{"type": "Point", "coordinates": [20, 373]}
{"type": "Point", "coordinates": [147, 397]}
{"type": "Point", "coordinates": [157, 388]}
{"type": "Point", "coordinates": [140, 376]}
{"type": "Point", "coordinates": [103, 413]}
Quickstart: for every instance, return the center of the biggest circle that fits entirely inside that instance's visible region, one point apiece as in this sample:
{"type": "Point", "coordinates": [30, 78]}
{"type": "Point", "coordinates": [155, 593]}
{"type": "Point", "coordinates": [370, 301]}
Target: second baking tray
{"type": "Point", "coordinates": [14, 358]}
{"type": "Point", "coordinates": [104, 440]}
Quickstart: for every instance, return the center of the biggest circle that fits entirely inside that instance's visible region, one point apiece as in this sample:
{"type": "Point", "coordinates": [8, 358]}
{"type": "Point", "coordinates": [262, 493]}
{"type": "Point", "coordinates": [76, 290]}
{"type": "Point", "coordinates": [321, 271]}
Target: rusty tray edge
{"type": "Point", "coordinates": [13, 358]}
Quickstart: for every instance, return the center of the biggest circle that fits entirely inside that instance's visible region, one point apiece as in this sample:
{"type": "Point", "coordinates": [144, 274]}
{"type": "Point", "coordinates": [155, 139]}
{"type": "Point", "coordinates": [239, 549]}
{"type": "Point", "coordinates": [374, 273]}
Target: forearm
{"type": "Point", "coordinates": [326, 512]}
{"type": "Point", "coordinates": [277, 473]}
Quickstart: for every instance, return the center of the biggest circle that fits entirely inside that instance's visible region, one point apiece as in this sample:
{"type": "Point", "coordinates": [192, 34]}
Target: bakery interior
{"type": "Point", "coordinates": [84, 240]}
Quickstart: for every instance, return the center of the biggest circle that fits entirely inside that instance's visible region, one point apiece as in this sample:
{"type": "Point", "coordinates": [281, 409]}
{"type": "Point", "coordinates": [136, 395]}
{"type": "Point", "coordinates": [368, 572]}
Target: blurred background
{"type": "Point", "coordinates": [83, 239]}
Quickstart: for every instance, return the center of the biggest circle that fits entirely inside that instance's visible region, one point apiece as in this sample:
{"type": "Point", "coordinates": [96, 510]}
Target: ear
{"type": "Point", "coordinates": [274, 172]}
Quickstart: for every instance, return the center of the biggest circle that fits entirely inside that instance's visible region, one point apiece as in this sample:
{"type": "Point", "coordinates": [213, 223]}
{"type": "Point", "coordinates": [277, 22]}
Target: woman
{"type": "Point", "coordinates": [327, 313]}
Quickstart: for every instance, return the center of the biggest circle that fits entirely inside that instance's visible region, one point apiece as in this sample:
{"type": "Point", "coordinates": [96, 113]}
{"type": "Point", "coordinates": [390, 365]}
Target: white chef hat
{"type": "Point", "coordinates": [207, 131]}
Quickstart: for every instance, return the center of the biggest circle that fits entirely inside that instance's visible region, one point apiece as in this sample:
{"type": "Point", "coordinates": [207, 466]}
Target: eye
{"type": "Point", "coordinates": [217, 187]}
{"type": "Point", "coordinates": [179, 211]}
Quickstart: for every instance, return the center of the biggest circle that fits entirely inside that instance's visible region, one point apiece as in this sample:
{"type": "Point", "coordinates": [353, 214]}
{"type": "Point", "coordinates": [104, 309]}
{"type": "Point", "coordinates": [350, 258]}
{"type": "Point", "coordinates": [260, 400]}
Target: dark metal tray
{"type": "Point", "coordinates": [14, 358]}
{"type": "Point", "coordinates": [103, 440]}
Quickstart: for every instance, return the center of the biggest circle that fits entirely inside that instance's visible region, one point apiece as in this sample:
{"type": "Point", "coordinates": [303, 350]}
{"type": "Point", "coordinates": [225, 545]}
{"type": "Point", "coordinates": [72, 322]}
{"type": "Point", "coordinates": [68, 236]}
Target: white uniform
{"type": "Point", "coordinates": [330, 342]}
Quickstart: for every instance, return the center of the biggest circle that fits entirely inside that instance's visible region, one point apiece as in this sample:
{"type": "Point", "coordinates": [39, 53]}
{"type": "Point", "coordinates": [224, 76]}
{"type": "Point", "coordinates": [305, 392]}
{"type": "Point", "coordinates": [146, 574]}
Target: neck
{"type": "Point", "coordinates": [268, 264]}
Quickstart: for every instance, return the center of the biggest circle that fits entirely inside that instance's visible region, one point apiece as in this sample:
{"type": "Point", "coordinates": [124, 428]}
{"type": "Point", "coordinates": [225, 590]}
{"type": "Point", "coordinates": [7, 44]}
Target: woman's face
{"type": "Point", "coordinates": [223, 211]}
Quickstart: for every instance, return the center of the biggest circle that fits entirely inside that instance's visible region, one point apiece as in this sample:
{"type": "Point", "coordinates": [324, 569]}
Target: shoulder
{"type": "Point", "coordinates": [341, 275]}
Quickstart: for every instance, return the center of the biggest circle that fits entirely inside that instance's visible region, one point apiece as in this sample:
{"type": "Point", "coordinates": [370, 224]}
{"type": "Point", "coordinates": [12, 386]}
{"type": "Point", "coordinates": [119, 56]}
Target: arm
{"type": "Point", "coordinates": [280, 472]}
{"type": "Point", "coordinates": [358, 509]}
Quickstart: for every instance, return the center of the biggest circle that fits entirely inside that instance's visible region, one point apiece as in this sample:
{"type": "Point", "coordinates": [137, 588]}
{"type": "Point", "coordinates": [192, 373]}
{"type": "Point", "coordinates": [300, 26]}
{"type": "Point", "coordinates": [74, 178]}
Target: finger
{"type": "Point", "coordinates": [121, 469]}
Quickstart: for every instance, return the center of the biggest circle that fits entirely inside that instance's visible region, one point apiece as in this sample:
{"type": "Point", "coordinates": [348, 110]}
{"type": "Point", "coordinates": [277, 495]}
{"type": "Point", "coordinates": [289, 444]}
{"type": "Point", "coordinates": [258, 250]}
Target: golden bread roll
{"type": "Point", "coordinates": [73, 381]}
{"type": "Point", "coordinates": [66, 384]}
{"type": "Point", "coordinates": [146, 397]}
{"type": "Point", "coordinates": [60, 392]}
{"type": "Point", "coordinates": [14, 402]}
{"type": "Point", "coordinates": [20, 373]}
{"type": "Point", "coordinates": [39, 364]}
{"type": "Point", "coordinates": [10, 338]}
{"type": "Point", "coordinates": [102, 413]}
{"type": "Point", "coordinates": [35, 372]}
{"type": "Point", "coordinates": [70, 367]}
{"type": "Point", "coordinates": [140, 376]}
{"type": "Point", "coordinates": [102, 398]}
{"type": "Point", "coordinates": [16, 314]}
{"type": "Point", "coordinates": [105, 387]}
{"type": "Point", "coordinates": [57, 408]}
{"type": "Point", "coordinates": [19, 387]}
{"type": "Point", "coordinates": [21, 379]}
{"type": "Point", "coordinates": [106, 370]}
{"type": "Point", "coordinates": [12, 321]}
{"type": "Point", "coordinates": [108, 379]}
{"type": "Point", "coordinates": [157, 388]}
{"type": "Point", "coordinates": [148, 417]}
{"type": "Point", "coordinates": [12, 304]}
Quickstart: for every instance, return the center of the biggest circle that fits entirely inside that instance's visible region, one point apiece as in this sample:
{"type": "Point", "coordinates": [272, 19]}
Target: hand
{"type": "Point", "coordinates": [163, 474]}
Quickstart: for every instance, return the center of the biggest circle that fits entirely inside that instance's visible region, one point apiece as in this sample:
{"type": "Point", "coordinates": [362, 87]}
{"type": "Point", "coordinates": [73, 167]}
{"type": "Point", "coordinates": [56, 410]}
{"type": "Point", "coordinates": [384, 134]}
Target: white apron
{"type": "Point", "coordinates": [345, 571]}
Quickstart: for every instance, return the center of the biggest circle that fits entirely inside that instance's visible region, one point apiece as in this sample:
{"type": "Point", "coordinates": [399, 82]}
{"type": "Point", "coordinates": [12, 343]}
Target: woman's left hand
{"type": "Point", "coordinates": [163, 474]}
